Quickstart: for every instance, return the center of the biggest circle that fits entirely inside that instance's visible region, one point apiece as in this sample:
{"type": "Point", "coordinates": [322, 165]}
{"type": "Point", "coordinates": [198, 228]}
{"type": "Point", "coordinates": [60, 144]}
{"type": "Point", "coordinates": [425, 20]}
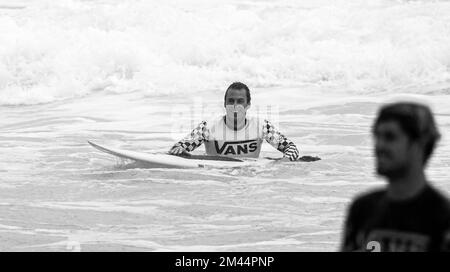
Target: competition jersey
{"type": "Point", "coordinates": [377, 223]}
{"type": "Point", "coordinates": [220, 140]}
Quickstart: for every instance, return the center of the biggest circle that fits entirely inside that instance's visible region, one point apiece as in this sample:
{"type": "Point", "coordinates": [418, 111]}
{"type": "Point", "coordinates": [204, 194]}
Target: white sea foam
{"type": "Point", "coordinates": [53, 50]}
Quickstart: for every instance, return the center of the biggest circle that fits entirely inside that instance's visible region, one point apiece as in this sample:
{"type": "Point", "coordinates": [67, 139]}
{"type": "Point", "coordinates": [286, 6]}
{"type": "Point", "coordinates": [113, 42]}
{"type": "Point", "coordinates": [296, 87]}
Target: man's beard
{"type": "Point", "coordinates": [392, 172]}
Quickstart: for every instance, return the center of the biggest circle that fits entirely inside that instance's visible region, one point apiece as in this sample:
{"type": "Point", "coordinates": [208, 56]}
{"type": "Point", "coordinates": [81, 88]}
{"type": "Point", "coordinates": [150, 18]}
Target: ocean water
{"type": "Point", "coordinates": [139, 75]}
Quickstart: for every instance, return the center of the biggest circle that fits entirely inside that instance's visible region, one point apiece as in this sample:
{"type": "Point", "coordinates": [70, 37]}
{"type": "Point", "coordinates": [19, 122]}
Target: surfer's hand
{"type": "Point", "coordinates": [309, 158]}
{"type": "Point", "coordinates": [177, 150]}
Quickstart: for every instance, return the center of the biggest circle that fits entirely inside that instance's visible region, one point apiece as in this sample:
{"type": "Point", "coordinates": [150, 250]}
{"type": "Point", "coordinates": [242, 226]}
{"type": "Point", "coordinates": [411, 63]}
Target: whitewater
{"type": "Point", "coordinates": [139, 75]}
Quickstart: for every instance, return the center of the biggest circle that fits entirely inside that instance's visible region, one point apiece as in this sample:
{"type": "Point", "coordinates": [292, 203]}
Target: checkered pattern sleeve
{"type": "Point", "coordinates": [195, 138]}
{"type": "Point", "coordinates": [279, 141]}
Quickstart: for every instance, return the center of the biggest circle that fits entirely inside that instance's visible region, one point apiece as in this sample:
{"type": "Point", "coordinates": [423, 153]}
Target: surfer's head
{"type": "Point", "coordinates": [237, 94]}
{"type": "Point", "coordinates": [405, 136]}
{"type": "Point", "coordinates": [236, 102]}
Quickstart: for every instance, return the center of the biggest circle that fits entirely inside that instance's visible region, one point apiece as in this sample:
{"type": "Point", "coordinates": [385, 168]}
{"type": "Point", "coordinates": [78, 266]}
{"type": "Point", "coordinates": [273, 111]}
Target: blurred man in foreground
{"type": "Point", "coordinates": [410, 214]}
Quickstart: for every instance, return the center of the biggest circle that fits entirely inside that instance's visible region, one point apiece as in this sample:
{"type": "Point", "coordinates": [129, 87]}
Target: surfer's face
{"type": "Point", "coordinates": [394, 150]}
{"type": "Point", "coordinates": [236, 97]}
{"type": "Point", "coordinates": [236, 106]}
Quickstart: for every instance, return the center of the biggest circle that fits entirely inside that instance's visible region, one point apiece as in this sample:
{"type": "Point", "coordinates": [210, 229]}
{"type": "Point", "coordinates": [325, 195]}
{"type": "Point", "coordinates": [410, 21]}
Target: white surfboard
{"type": "Point", "coordinates": [171, 161]}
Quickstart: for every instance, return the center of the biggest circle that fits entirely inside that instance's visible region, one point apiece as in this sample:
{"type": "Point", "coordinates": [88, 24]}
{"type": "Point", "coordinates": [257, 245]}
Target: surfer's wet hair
{"type": "Point", "coordinates": [238, 86]}
{"type": "Point", "coordinates": [416, 120]}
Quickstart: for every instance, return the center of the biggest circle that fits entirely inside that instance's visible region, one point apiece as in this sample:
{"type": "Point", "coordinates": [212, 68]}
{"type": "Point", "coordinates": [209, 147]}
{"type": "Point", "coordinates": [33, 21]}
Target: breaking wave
{"type": "Point", "coordinates": [51, 50]}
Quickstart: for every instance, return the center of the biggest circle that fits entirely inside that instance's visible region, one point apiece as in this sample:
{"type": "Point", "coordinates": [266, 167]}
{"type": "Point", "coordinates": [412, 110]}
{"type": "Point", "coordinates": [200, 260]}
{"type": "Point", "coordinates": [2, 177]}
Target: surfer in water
{"type": "Point", "coordinates": [235, 134]}
{"type": "Point", "coordinates": [410, 214]}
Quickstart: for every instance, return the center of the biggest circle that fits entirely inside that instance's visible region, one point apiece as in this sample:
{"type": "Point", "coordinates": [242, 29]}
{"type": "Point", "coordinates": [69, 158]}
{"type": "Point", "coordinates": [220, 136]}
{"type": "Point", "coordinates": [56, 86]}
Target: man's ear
{"type": "Point", "coordinates": [422, 145]}
{"type": "Point", "coordinates": [415, 148]}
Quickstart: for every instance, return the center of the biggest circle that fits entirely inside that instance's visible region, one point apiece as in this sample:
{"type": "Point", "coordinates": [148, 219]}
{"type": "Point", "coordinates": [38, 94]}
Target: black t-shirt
{"type": "Point", "coordinates": [377, 223]}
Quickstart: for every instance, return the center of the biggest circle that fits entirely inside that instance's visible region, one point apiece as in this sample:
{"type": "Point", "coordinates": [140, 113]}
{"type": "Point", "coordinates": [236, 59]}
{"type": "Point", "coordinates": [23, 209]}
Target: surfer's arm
{"type": "Point", "coordinates": [192, 140]}
{"type": "Point", "coordinates": [279, 141]}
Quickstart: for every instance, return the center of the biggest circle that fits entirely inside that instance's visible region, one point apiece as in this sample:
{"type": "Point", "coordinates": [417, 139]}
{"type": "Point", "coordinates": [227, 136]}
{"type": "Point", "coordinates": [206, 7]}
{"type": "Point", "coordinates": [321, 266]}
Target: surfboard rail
{"type": "Point", "coordinates": [166, 160]}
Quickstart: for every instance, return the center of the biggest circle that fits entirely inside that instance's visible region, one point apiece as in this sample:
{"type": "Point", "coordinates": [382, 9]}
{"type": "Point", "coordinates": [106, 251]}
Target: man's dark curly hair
{"type": "Point", "coordinates": [416, 120]}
